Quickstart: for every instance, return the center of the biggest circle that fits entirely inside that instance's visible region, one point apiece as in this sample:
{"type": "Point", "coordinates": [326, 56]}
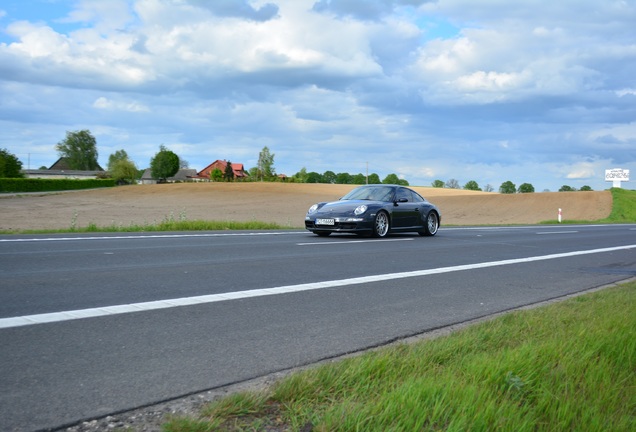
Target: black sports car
{"type": "Point", "coordinates": [376, 210]}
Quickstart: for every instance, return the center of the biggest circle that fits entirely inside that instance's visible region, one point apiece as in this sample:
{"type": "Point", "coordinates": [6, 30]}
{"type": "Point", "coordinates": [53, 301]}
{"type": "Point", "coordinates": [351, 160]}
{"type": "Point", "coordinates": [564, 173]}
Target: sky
{"type": "Point", "coordinates": [528, 91]}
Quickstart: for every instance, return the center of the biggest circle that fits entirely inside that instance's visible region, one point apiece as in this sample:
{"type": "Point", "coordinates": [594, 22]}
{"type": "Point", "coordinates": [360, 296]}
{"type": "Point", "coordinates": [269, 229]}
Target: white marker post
{"type": "Point", "coordinates": [616, 176]}
{"type": "Point", "coordinates": [560, 215]}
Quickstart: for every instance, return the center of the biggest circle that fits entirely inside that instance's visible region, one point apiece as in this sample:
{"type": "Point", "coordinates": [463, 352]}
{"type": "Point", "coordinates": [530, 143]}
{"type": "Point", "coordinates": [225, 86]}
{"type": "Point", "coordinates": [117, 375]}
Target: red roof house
{"type": "Point", "coordinates": [237, 168]}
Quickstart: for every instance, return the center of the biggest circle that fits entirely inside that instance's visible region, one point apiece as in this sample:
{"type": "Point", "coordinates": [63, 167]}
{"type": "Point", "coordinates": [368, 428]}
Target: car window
{"type": "Point", "coordinates": [404, 194]}
{"type": "Point", "coordinates": [370, 193]}
{"type": "Point", "coordinates": [417, 197]}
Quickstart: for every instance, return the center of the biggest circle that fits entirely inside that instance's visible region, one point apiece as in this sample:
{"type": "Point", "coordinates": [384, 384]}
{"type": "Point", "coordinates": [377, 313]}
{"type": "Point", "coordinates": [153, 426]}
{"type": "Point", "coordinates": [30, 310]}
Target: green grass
{"type": "Point", "coordinates": [568, 366]}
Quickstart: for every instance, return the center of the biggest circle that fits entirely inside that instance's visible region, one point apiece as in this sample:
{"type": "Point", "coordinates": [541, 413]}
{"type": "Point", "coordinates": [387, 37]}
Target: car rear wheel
{"type": "Point", "coordinates": [381, 225]}
{"type": "Point", "coordinates": [432, 224]}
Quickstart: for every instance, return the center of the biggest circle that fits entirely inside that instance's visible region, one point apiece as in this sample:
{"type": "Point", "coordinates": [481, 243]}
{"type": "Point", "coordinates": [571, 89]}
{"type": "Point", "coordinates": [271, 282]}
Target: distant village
{"type": "Point", "coordinates": [61, 169]}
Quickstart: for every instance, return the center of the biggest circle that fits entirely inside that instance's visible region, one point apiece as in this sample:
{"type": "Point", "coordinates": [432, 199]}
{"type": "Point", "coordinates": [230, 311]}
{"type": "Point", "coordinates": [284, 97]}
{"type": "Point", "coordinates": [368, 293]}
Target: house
{"type": "Point", "coordinates": [61, 170]}
{"type": "Point", "coordinates": [183, 175]}
{"type": "Point", "coordinates": [237, 168]}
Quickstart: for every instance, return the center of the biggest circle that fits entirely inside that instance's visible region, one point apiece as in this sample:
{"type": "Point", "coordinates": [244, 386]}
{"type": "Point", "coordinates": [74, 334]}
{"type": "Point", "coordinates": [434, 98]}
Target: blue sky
{"type": "Point", "coordinates": [484, 90]}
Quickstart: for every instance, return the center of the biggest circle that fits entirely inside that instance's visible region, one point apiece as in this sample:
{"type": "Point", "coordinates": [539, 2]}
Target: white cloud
{"type": "Point", "coordinates": [107, 104]}
{"type": "Point", "coordinates": [522, 91]}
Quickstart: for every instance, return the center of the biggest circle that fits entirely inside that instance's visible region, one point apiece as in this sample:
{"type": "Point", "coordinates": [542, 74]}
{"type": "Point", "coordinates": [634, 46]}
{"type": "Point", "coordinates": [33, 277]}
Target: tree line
{"type": "Point", "coordinates": [79, 148]}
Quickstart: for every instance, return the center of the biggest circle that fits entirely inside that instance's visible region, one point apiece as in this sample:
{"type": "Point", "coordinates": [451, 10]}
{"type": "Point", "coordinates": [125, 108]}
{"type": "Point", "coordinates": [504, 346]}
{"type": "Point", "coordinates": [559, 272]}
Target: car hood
{"type": "Point", "coordinates": [346, 205]}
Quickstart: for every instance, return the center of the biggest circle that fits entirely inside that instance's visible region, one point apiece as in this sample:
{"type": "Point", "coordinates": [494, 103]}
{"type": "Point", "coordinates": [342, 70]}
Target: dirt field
{"type": "Point", "coordinates": [285, 204]}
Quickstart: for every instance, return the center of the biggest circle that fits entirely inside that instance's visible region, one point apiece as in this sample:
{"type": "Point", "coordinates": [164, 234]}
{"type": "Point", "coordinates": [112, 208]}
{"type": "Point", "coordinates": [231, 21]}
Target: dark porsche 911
{"type": "Point", "coordinates": [376, 210]}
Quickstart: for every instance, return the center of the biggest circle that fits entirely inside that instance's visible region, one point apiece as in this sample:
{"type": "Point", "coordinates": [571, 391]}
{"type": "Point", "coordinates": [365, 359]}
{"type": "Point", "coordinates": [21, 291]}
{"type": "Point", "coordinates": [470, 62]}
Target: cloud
{"type": "Point", "coordinates": [363, 9]}
{"type": "Point", "coordinates": [238, 9]}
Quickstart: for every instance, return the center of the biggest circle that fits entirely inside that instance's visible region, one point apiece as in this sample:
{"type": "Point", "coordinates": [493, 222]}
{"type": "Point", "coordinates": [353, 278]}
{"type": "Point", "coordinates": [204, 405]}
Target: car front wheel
{"type": "Point", "coordinates": [432, 225]}
{"type": "Point", "coordinates": [381, 225]}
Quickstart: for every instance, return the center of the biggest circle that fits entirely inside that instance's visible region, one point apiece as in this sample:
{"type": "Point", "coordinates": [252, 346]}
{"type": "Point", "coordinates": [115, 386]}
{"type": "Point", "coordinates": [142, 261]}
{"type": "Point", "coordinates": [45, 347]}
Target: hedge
{"type": "Point", "coordinates": [16, 185]}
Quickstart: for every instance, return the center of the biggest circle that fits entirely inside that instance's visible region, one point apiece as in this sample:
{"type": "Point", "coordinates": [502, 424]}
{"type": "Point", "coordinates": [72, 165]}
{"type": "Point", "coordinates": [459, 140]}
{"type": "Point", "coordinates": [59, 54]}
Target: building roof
{"type": "Point", "coordinates": [237, 168]}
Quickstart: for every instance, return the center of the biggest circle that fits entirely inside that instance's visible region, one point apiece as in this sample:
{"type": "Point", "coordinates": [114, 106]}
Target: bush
{"type": "Point", "coordinates": [49, 185]}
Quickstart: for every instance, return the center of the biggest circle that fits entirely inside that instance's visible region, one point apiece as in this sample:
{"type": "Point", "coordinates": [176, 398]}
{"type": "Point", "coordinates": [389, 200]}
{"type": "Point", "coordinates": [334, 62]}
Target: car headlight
{"type": "Point", "coordinates": [312, 209]}
{"type": "Point", "coordinates": [360, 209]}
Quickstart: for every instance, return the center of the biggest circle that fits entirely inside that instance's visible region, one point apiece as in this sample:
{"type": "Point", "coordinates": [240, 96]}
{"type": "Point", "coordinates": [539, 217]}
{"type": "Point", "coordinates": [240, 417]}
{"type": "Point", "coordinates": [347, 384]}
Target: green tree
{"type": "Point", "coordinates": [566, 188]}
{"type": "Point", "coordinates": [79, 148]}
{"type": "Point", "coordinates": [228, 175]}
{"type": "Point", "coordinates": [472, 185]}
{"type": "Point", "coordinates": [586, 188]}
{"type": "Point", "coordinates": [314, 177]}
{"type": "Point", "coordinates": [343, 178]}
{"type": "Point", "coordinates": [438, 184]}
{"type": "Point", "coordinates": [488, 188]}
{"type": "Point", "coordinates": [329, 177]}
{"type": "Point", "coordinates": [10, 165]}
{"type": "Point", "coordinates": [526, 188]}
{"type": "Point", "coordinates": [119, 155]}
{"type": "Point", "coordinates": [301, 176]}
{"type": "Point", "coordinates": [164, 164]}
{"type": "Point", "coordinates": [507, 187]}
{"type": "Point", "coordinates": [374, 179]}
{"type": "Point", "coordinates": [394, 179]}
{"type": "Point", "coordinates": [266, 164]}
{"type": "Point", "coordinates": [216, 175]}
{"type": "Point", "coordinates": [123, 171]}
{"type": "Point", "coordinates": [359, 179]}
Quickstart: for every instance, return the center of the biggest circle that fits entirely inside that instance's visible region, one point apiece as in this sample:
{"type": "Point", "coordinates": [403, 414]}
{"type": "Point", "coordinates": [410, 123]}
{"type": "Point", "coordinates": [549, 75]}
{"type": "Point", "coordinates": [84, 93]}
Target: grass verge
{"type": "Point", "coordinates": [567, 366]}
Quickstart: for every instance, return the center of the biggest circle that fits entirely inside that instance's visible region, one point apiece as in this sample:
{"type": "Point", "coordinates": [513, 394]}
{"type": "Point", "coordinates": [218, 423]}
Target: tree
{"type": "Point", "coordinates": [123, 171]}
{"type": "Point", "coordinates": [79, 148]}
{"type": "Point", "coordinates": [301, 176]}
{"type": "Point", "coordinates": [394, 179]}
{"type": "Point", "coordinates": [10, 165]}
{"type": "Point", "coordinates": [343, 178]}
{"type": "Point", "coordinates": [266, 164]}
{"type": "Point", "coordinates": [329, 177]}
{"type": "Point", "coordinates": [119, 155]}
{"type": "Point", "coordinates": [566, 188]}
{"type": "Point", "coordinates": [586, 188]}
{"type": "Point", "coordinates": [452, 184]}
{"type": "Point", "coordinates": [228, 175]}
{"type": "Point", "coordinates": [359, 179]}
{"type": "Point", "coordinates": [164, 164]}
{"type": "Point", "coordinates": [374, 179]}
{"type": "Point", "coordinates": [438, 184]}
{"type": "Point", "coordinates": [507, 187]}
{"type": "Point", "coordinates": [488, 188]}
{"type": "Point", "coordinates": [314, 177]}
{"type": "Point", "coordinates": [216, 175]}
{"type": "Point", "coordinates": [526, 188]}
{"type": "Point", "coordinates": [472, 185]}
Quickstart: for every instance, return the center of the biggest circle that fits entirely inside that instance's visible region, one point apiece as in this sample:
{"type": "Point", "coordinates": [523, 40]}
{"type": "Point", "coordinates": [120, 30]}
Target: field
{"type": "Point", "coordinates": [280, 203]}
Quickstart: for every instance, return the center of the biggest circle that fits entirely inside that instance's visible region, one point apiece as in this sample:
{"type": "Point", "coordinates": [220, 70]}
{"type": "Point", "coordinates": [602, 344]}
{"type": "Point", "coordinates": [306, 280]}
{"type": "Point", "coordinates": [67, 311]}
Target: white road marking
{"type": "Point", "coordinates": [557, 232]}
{"type": "Point", "coordinates": [213, 298]}
{"type": "Point", "coordinates": [151, 236]}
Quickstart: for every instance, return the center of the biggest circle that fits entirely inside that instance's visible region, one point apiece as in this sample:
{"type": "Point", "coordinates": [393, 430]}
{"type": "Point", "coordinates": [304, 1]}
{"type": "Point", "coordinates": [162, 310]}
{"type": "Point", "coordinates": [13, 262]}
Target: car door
{"type": "Point", "coordinates": [405, 210]}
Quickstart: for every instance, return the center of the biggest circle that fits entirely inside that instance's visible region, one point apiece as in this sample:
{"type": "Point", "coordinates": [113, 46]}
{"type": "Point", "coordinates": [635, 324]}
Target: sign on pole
{"type": "Point", "coordinates": [616, 176]}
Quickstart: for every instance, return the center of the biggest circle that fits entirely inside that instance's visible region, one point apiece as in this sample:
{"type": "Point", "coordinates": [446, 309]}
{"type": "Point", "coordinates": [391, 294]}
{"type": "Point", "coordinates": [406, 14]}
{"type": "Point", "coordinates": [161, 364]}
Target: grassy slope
{"type": "Point", "coordinates": [568, 366]}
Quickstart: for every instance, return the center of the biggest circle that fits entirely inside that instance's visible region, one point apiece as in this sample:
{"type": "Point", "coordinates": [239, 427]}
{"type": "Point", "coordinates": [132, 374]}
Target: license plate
{"type": "Point", "coordinates": [325, 221]}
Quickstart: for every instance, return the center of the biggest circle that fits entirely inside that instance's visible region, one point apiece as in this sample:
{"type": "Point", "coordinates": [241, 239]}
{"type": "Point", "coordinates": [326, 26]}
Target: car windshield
{"type": "Point", "coordinates": [377, 193]}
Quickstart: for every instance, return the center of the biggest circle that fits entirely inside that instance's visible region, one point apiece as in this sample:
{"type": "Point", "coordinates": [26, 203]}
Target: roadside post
{"type": "Point", "coordinates": [560, 215]}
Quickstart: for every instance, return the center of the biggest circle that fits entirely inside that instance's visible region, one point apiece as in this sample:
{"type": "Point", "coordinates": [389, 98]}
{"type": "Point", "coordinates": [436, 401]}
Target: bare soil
{"type": "Point", "coordinates": [281, 203]}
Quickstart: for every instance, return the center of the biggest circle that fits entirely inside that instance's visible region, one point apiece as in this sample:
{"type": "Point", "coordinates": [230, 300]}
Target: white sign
{"type": "Point", "coordinates": [617, 174]}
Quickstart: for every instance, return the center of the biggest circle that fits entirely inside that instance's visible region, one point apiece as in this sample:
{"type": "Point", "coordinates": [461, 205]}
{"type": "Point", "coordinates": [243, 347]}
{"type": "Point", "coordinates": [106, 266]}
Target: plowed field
{"type": "Point", "coordinates": [282, 203]}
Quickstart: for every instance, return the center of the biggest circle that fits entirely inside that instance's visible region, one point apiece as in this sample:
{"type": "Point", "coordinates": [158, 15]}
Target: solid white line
{"type": "Point", "coordinates": [557, 232]}
{"type": "Point", "coordinates": [213, 298]}
{"type": "Point", "coordinates": [152, 236]}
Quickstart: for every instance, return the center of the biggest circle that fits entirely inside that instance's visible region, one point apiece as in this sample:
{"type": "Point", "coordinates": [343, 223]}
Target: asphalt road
{"type": "Point", "coordinates": [96, 324]}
